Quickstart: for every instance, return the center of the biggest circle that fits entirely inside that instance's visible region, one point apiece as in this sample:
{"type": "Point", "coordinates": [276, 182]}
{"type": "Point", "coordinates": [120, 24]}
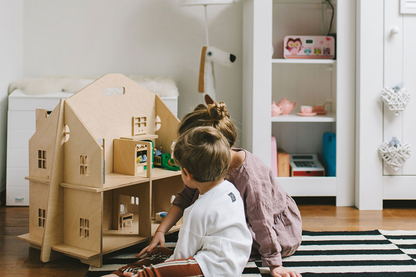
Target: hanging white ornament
{"type": "Point", "coordinates": [394, 154]}
{"type": "Point", "coordinates": [396, 98]}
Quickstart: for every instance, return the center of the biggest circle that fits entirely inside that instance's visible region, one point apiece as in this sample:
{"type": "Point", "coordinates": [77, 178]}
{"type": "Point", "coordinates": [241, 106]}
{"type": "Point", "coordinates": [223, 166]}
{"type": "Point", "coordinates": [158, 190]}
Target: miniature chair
{"type": "Point", "coordinates": [125, 217]}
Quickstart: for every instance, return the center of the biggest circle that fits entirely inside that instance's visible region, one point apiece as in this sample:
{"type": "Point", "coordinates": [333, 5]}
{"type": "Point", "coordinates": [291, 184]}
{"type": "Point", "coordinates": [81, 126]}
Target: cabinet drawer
{"type": "Point", "coordinates": [17, 196]}
{"type": "Point", "coordinates": [21, 120]}
{"type": "Point", "coordinates": [18, 158]}
{"type": "Point", "coordinates": [16, 177]}
{"type": "Point", "coordinates": [19, 139]}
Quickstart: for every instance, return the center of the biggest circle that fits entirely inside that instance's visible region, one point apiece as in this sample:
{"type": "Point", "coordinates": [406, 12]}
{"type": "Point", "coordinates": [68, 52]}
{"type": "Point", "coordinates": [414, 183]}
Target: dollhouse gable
{"type": "Point", "coordinates": [109, 109]}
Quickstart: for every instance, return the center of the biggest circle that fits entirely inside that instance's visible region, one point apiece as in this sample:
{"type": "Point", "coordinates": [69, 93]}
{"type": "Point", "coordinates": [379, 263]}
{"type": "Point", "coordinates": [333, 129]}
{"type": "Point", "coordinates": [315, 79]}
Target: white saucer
{"type": "Point", "coordinates": [307, 114]}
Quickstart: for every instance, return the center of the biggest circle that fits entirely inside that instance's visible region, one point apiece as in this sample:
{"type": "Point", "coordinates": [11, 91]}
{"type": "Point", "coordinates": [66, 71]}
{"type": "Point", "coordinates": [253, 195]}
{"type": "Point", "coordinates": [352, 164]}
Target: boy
{"type": "Point", "coordinates": [214, 239]}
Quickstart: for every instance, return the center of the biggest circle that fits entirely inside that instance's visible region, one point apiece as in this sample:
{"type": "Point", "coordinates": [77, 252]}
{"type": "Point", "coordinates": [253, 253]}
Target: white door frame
{"type": "Point", "coordinates": [369, 116]}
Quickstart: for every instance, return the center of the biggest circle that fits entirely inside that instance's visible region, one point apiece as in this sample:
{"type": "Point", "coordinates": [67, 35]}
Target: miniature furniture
{"type": "Point", "coordinates": [126, 218]}
{"type": "Point", "coordinates": [78, 182]}
{"type": "Point", "coordinates": [21, 126]}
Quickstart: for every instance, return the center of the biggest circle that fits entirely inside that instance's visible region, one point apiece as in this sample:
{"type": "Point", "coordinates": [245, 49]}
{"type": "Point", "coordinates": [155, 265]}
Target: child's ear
{"type": "Point", "coordinates": [188, 175]}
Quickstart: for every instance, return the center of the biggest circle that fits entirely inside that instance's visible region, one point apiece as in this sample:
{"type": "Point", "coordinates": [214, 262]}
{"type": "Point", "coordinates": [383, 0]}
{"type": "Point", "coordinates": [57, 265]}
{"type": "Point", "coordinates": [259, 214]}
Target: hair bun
{"type": "Point", "coordinates": [218, 111]}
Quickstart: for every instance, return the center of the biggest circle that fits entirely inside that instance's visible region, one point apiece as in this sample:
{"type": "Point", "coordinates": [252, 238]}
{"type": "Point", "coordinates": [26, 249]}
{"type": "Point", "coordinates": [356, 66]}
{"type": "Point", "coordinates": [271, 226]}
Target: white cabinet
{"type": "Point", "coordinates": [269, 78]}
{"type": "Point", "coordinates": [20, 128]}
{"type": "Point", "coordinates": [387, 65]}
{"type": "Point", "coordinates": [21, 125]}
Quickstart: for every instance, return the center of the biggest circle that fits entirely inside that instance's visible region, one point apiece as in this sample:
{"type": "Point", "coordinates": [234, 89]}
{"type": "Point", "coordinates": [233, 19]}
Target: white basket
{"type": "Point", "coordinates": [395, 100]}
{"type": "Point", "coordinates": [394, 156]}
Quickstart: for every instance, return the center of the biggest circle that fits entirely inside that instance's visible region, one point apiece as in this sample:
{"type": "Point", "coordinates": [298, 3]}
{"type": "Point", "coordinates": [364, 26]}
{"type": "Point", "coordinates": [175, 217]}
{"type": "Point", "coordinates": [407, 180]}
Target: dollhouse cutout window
{"type": "Point", "coordinates": [114, 91]}
{"type": "Point", "coordinates": [158, 123]}
{"type": "Point", "coordinates": [139, 125]}
{"type": "Point", "coordinates": [42, 159]}
{"type": "Point", "coordinates": [134, 200]}
{"type": "Point", "coordinates": [41, 218]}
{"type": "Point", "coordinates": [84, 228]}
{"type": "Point", "coordinates": [83, 165]}
{"type": "Point", "coordinates": [66, 133]}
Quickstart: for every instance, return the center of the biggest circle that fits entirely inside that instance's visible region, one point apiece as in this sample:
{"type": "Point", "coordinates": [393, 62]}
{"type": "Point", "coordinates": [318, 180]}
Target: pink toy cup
{"type": "Point", "coordinates": [306, 109]}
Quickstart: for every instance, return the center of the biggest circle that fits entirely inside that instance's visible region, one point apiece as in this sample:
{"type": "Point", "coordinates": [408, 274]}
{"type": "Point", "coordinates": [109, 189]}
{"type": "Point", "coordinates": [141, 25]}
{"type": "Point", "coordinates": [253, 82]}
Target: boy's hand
{"type": "Point", "coordinates": [159, 238]}
{"type": "Point", "coordinates": [280, 271]}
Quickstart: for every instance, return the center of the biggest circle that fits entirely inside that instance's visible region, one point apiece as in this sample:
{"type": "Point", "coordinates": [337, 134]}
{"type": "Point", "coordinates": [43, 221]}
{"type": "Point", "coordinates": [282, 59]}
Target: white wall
{"type": "Point", "coordinates": [11, 66]}
{"type": "Point", "coordinates": [146, 37]}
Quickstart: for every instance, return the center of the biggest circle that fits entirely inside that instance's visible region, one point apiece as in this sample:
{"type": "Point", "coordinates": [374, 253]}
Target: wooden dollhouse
{"type": "Point", "coordinates": [91, 190]}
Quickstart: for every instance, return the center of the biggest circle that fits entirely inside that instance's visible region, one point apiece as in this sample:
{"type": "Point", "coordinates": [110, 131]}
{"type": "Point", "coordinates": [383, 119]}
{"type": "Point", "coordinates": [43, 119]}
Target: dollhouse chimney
{"type": "Point", "coordinates": [41, 115]}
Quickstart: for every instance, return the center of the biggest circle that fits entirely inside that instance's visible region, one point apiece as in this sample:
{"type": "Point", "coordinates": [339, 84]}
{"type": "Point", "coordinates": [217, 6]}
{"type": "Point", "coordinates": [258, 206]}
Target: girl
{"type": "Point", "coordinates": [272, 215]}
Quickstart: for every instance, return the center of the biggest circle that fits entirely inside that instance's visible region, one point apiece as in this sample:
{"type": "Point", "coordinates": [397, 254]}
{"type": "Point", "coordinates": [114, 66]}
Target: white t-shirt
{"type": "Point", "coordinates": [215, 233]}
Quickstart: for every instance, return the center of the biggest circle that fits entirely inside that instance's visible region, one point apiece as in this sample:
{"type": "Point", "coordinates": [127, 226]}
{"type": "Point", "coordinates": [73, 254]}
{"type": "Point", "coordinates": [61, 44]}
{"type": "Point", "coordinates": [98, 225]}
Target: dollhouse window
{"type": "Point", "coordinates": [42, 159]}
{"type": "Point", "coordinates": [41, 217]}
{"type": "Point", "coordinates": [134, 200]}
{"type": "Point", "coordinates": [84, 228]}
{"type": "Point", "coordinates": [139, 125]}
{"type": "Point", "coordinates": [66, 133]}
{"type": "Point", "coordinates": [83, 165]}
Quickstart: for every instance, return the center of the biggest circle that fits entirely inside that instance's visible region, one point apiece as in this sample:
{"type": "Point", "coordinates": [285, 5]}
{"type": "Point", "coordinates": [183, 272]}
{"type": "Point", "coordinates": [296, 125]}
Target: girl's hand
{"type": "Point", "coordinates": [280, 271]}
{"type": "Point", "coordinates": [159, 238]}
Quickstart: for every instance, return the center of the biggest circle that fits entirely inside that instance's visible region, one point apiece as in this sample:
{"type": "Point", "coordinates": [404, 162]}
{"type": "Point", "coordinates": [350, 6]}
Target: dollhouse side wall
{"type": "Point", "coordinates": [83, 219]}
{"type": "Point", "coordinates": [42, 145]}
{"type": "Point", "coordinates": [38, 207]}
{"type": "Point", "coordinates": [83, 155]}
{"type": "Point", "coordinates": [168, 131]}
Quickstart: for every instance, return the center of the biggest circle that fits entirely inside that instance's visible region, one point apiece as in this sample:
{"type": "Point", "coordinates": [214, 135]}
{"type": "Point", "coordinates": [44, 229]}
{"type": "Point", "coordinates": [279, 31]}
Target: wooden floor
{"type": "Point", "coordinates": [18, 259]}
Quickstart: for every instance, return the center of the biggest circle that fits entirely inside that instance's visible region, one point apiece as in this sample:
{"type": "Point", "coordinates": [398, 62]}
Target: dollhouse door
{"type": "Point", "coordinates": [400, 67]}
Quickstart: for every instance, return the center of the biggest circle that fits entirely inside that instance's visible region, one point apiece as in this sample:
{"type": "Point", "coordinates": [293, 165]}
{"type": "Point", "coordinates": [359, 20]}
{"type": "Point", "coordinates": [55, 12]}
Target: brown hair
{"type": "Point", "coordinates": [204, 152]}
{"type": "Point", "coordinates": [214, 115]}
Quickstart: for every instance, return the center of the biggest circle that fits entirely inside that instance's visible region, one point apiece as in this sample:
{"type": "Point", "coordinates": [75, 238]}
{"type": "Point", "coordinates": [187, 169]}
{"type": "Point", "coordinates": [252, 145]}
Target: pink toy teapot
{"type": "Point", "coordinates": [286, 105]}
{"type": "Point", "coordinates": [276, 110]}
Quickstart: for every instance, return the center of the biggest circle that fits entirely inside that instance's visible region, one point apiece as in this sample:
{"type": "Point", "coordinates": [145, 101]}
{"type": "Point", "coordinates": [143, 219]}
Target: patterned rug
{"type": "Point", "coordinates": [376, 253]}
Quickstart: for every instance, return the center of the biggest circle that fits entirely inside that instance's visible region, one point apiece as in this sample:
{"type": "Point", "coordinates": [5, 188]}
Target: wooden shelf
{"type": "Point", "coordinates": [173, 229]}
{"type": "Point", "coordinates": [309, 186]}
{"type": "Point", "coordinates": [74, 251]}
{"type": "Point", "coordinates": [115, 180]}
{"type": "Point", "coordinates": [38, 180]}
{"type": "Point", "coordinates": [298, 118]}
{"type": "Point", "coordinates": [112, 181]}
{"type": "Point", "coordinates": [113, 243]}
{"type": "Point", "coordinates": [160, 173]}
{"type": "Point", "coordinates": [126, 231]}
{"type": "Point", "coordinates": [304, 61]}
{"type": "Point", "coordinates": [140, 137]}
{"type": "Point", "coordinates": [37, 240]}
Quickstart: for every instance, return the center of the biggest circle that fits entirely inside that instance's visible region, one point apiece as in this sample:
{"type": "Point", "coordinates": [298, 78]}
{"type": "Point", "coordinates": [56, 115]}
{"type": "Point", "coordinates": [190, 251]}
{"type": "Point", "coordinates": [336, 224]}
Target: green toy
{"type": "Point", "coordinates": [168, 163]}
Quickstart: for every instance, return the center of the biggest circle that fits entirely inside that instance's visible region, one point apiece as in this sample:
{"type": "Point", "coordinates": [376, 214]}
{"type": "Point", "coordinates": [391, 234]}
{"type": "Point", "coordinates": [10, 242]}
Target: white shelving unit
{"type": "Point", "coordinates": [269, 78]}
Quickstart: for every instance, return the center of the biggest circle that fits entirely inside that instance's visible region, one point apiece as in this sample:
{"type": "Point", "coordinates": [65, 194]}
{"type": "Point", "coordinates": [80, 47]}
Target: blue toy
{"type": "Point", "coordinates": [329, 150]}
